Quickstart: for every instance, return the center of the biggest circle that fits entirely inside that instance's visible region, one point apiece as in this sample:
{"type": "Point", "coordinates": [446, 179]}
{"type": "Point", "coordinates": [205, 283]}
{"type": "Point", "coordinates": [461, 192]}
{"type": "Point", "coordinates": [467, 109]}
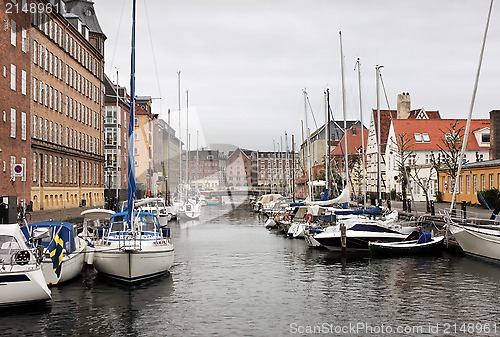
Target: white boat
{"type": "Point", "coordinates": [94, 222]}
{"type": "Point", "coordinates": [191, 210]}
{"type": "Point", "coordinates": [477, 240]}
{"type": "Point", "coordinates": [134, 247]}
{"type": "Point", "coordinates": [474, 239]}
{"type": "Point", "coordinates": [361, 230]}
{"type": "Point", "coordinates": [62, 239]}
{"type": "Point", "coordinates": [156, 206]}
{"type": "Point", "coordinates": [21, 276]}
{"type": "Point", "coordinates": [137, 253]}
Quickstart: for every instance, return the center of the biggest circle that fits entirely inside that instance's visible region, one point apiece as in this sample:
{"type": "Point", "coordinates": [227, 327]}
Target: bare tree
{"type": "Point", "coordinates": [449, 152]}
{"type": "Point", "coordinates": [405, 153]}
{"type": "Point", "coordinates": [423, 182]}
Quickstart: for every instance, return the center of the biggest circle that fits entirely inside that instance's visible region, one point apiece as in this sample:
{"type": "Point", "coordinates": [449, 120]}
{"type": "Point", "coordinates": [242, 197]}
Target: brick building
{"type": "Point", "coordinates": [15, 100]}
{"type": "Point", "coordinates": [66, 112]}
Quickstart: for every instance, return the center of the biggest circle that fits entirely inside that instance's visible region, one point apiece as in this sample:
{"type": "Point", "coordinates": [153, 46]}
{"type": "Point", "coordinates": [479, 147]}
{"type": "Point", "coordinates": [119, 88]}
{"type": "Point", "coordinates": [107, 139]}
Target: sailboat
{"type": "Point", "coordinates": [361, 227]}
{"type": "Point", "coordinates": [134, 247]}
{"type": "Point", "coordinates": [482, 240]}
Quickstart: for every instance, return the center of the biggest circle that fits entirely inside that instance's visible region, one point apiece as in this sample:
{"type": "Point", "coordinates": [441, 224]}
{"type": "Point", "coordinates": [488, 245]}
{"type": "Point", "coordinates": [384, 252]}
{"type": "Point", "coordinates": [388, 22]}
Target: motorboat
{"type": "Point", "coordinates": [64, 250]}
{"type": "Point", "coordinates": [21, 275]}
{"type": "Point", "coordinates": [418, 246]}
{"type": "Point", "coordinates": [360, 230]}
{"type": "Point", "coordinates": [135, 250]}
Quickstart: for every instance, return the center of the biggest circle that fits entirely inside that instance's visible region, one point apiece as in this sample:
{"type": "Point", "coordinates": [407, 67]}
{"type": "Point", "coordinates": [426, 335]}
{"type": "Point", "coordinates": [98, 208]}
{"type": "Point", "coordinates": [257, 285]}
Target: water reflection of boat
{"type": "Point", "coordinates": [21, 276]}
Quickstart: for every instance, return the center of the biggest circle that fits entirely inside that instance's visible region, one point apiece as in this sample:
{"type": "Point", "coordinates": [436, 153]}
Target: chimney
{"type": "Point", "coordinates": [403, 106]}
{"type": "Point", "coordinates": [494, 134]}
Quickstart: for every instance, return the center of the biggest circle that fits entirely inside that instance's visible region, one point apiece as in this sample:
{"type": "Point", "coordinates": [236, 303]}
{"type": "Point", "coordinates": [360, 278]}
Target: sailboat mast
{"type": "Point", "coordinates": [346, 163]}
{"type": "Point", "coordinates": [180, 142]}
{"type": "Point", "coordinates": [471, 108]}
{"type": "Point", "coordinates": [130, 160]}
{"type": "Point", "coordinates": [187, 138]}
{"type": "Point", "coordinates": [379, 172]}
{"type": "Point", "coordinates": [308, 152]}
{"type": "Point", "coordinates": [327, 140]}
{"type": "Point", "coordinates": [117, 157]}
{"type": "Point", "coordinates": [358, 65]}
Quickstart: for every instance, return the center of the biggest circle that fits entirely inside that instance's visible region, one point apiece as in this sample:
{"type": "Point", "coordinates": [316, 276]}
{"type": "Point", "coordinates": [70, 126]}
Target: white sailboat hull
{"type": "Point", "coordinates": [71, 266]}
{"type": "Point", "coordinates": [21, 287]}
{"type": "Point", "coordinates": [482, 242]}
{"type": "Point", "coordinates": [133, 265]}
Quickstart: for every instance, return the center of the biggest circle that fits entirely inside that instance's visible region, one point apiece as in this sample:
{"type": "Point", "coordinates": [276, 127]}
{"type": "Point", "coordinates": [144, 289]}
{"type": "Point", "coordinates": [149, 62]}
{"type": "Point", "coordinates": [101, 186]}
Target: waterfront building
{"type": "Point", "coordinates": [277, 171]}
{"type": "Point", "coordinates": [423, 146]}
{"type": "Point", "coordinates": [241, 171]}
{"type": "Point", "coordinates": [166, 158]}
{"type": "Point", "coordinates": [116, 117]}
{"type": "Point", "coordinates": [386, 117]}
{"type": "Point", "coordinates": [206, 169]}
{"type": "Point", "coordinates": [477, 174]}
{"type": "Point", "coordinates": [354, 158]}
{"type": "Point", "coordinates": [15, 93]}
{"type": "Point", "coordinates": [144, 146]}
{"type": "Point", "coordinates": [66, 47]}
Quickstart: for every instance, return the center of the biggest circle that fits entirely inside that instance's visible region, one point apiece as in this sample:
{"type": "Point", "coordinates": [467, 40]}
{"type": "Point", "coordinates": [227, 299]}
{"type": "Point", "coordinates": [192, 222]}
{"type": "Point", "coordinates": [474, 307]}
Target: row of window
{"type": "Point", "coordinates": [473, 188]}
{"type": "Point", "coordinates": [56, 67]}
{"type": "Point", "coordinates": [53, 99]}
{"type": "Point", "coordinates": [52, 132]}
{"type": "Point", "coordinates": [56, 33]}
{"type": "Point", "coordinates": [53, 167]}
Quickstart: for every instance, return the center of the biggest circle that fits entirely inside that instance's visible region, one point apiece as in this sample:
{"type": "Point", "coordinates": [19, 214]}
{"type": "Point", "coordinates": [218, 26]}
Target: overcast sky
{"type": "Point", "coordinates": [246, 62]}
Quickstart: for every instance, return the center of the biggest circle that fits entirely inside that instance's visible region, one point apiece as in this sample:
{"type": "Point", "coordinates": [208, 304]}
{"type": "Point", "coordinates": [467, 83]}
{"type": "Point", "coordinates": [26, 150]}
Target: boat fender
{"type": "Point", "coordinates": [286, 217]}
{"type": "Point", "coordinates": [22, 257]}
{"type": "Point", "coordinates": [309, 217]}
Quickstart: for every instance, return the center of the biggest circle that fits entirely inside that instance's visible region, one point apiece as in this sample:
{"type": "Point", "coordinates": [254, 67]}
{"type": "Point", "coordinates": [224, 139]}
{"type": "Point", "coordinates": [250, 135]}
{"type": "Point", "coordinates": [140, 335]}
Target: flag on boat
{"type": "Point", "coordinates": [55, 248]}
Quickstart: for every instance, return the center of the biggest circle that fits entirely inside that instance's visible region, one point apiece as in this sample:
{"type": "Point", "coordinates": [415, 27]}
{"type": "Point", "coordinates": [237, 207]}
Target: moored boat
{"type": "Point", "coordinates": [137, 253]}
{"type": "Point", "coordinates": [64, 251]}
{"type": "Point", "coordinates": [94, 222]}
{"type": "Point", "coordinates": [409, 247]}
{"type": "Point", "coordinates": [21, 276]}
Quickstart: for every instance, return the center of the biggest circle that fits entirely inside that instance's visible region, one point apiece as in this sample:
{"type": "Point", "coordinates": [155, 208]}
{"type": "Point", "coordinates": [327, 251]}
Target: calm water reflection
{"type": "Point", "coordinates": [234, 278]}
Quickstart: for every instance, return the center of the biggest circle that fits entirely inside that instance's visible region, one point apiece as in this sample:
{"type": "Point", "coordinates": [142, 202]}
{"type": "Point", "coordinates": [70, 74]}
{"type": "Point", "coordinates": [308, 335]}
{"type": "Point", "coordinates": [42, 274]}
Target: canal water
{"type": "Point", "coordinates": [232, 277]}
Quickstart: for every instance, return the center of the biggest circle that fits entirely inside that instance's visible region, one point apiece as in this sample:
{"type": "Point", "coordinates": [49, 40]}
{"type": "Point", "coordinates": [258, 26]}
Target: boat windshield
{"type": "Point", "coordinates": [8, 246]}
{"type": "Point", "coordinates": [147, 223]}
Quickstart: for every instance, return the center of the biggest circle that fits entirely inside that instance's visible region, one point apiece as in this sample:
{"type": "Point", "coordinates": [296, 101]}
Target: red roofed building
{"type": "Point", "coordinates": [425, 140]}
{"type": "Point", "coordinates": [403, 112]}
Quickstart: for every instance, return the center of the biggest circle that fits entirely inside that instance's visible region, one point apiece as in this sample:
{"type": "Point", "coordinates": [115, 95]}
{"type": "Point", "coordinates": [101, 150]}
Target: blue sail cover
{"type": "Point", "coordinates": [324, 197]}
{"type": "Point", "coordinates": [371, 211]}
{"type": "Point", "coordinates": [132, 192]}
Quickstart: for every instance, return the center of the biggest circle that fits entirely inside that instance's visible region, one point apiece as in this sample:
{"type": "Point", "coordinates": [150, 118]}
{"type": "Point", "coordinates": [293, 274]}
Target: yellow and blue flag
{"type": "Point", "coordinates": [56, 247]}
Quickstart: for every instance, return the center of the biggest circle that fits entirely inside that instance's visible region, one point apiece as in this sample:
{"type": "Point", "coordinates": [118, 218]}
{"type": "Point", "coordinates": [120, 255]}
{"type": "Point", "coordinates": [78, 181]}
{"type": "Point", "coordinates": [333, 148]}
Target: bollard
{"type": "Point", "coordinates": [433, 210]}
{"type": "Point", "coordinates": [464, 210]}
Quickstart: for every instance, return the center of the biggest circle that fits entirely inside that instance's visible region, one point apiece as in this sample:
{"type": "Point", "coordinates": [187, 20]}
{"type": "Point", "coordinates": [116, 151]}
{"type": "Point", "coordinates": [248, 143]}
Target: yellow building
{"type": "Point", "coordinates": [478, 176]}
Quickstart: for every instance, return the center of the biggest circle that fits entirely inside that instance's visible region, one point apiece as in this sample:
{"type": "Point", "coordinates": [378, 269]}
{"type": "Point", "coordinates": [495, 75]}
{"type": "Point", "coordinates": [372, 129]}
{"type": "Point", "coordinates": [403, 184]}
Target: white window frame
{"type": "Point", "coordinates": [13, 71]}
{"type": "Point", "coordinates": [23, 82]}
{"type": "Point", "coordinates": [13, 114]}
{"type": "Point", "coordinates": [13, 37]}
